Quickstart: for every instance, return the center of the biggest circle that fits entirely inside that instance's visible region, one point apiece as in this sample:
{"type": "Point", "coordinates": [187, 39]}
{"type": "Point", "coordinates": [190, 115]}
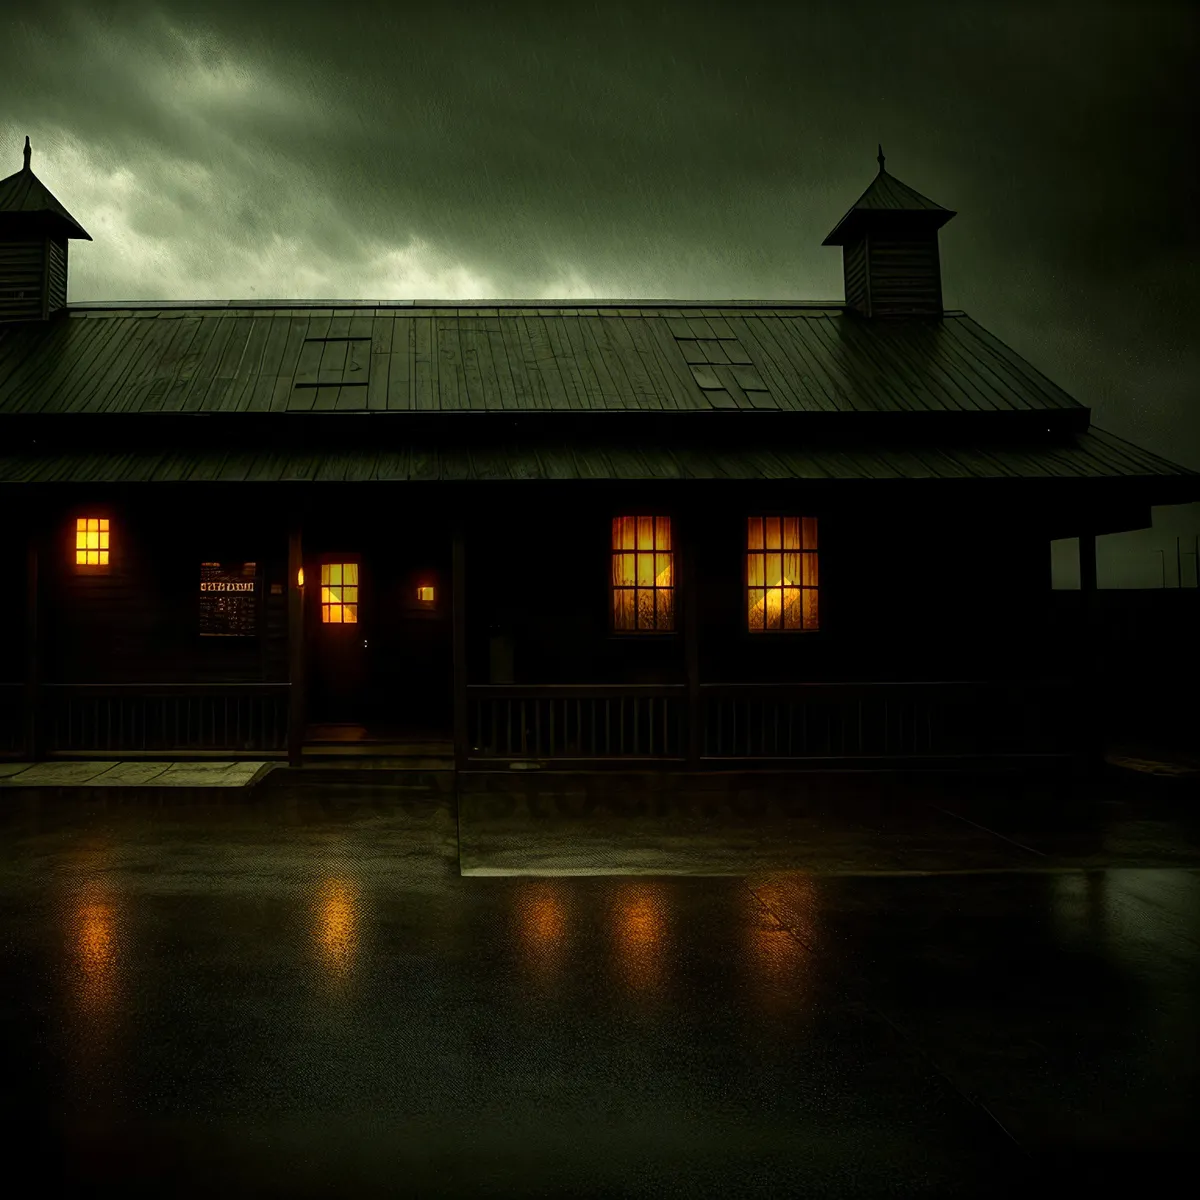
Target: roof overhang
{"type": "Point", "coordinates": [718, 428]}
{"type": "Point", "coordinates": [1090, 462]}
{"type": "Point", "coordinates": [883, 221]}
{"type": "Point", "coordinates": [37, 224]}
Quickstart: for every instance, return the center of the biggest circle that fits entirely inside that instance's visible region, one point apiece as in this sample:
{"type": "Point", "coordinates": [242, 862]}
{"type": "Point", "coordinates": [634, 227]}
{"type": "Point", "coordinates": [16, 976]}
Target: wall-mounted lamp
{"type": "Point", "coordinates": [425, 593]}
{"type": "Point", "coordinates": [300, 577]}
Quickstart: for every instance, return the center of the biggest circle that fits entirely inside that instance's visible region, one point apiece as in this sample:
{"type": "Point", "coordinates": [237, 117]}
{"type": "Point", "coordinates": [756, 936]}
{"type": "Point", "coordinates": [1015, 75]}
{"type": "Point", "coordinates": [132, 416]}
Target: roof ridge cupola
{"type": "Point", "coordinates": [34, 230]}
{"type": "Point", "coordinates": [889, 241]}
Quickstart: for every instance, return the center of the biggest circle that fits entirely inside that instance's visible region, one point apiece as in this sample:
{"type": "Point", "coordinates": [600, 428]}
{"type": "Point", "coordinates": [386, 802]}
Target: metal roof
{"type": "Point", "coordinates": [1092, 455]}
{"type": "Point", "coordinates": [519, 355]}
{"type": "Point", "coordinates": [24, 197]}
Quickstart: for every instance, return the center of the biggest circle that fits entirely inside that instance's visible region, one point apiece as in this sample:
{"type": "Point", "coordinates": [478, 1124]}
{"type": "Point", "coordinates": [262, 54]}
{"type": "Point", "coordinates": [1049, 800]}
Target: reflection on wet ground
{"type": "Point", "coordinates": [295, 992]}
{"type": "Point", "coordinates": [826, 824]}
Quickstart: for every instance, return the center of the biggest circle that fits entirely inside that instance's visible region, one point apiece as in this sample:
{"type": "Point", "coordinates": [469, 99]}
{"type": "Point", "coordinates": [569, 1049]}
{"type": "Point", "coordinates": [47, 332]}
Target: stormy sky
{"type": "Point", "coordinates": [219, 150]}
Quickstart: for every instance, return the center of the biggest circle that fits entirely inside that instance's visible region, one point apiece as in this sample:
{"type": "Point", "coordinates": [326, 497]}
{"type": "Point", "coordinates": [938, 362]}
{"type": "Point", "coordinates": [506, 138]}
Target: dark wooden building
{"type": "Point", "coordinates": [700, 533]}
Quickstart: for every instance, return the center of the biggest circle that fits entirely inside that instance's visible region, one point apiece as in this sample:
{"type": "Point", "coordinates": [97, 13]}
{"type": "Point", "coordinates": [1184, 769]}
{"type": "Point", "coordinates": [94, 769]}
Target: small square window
{"type": "Point", "coordinates": [91, 541]}
{"type": "Point", "coordinates": [339, 593]}
{"type": "Point", "coordinates": [425, 594]}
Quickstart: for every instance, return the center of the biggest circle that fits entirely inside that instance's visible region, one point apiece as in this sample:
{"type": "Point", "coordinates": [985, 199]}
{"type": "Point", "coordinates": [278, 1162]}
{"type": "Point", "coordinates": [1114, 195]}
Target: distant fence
{"type": "Point", "coordinates": [1143, 651]}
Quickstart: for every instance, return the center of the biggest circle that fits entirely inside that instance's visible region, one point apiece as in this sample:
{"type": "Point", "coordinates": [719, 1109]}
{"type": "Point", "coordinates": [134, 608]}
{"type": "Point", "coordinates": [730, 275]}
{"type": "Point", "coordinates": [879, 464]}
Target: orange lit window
{"type": "Point", "coordinates": [339, 593]}
{"type": "Point", "coordinates": [91, 542]}
{"type": "Point", "coordinates": [425, 594]}
{"type": "Point", "coordinates": [643, 574]}
{"type": "Point", "coordinates": [781, 573]}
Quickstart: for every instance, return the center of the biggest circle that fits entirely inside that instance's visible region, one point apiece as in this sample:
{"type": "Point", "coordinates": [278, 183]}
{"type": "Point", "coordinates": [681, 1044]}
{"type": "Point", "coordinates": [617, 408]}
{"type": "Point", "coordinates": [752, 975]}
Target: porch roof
{"type": "Point", "coordinates": [1093, 454]}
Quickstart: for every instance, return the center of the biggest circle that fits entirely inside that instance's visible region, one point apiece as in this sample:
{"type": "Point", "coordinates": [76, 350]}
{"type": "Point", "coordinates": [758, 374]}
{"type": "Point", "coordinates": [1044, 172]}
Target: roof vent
{"type": "Point", "coordinates": [34, 229]}
{"type": "Point", "coordinates": [889, 241]}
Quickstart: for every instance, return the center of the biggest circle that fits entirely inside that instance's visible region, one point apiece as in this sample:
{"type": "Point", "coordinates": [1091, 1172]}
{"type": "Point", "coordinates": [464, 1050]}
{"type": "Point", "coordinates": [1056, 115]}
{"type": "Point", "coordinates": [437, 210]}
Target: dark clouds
{"type": "Point", "coordinates": [681, 150]}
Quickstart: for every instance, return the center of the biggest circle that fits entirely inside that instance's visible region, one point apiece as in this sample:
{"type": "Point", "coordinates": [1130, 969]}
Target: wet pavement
{"type": "Point", "coordinates": [852, 823]}
{"type": "Point", "coordinates": [831, 987]}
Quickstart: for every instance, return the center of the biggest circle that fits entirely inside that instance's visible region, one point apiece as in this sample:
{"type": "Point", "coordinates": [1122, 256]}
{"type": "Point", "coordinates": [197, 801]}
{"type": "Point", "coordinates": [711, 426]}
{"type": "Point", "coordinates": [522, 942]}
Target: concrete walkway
{"type": "Point", "coordinates": [205, 774]}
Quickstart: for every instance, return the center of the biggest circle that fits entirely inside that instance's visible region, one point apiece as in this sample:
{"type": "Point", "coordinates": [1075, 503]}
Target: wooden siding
{"type": "Point", "coordinates": [904, 275]}
{"type": "Point", "coordinates": [907, 593]}
{"type": "Point", "coordinates": [910, 592]}
{"type": "Point", "coordinates": [854, 263]}
{"type": "Point", "coordinates": [12, 607]}
{"type": "Point", "coordinates": [22, 279]}
{"type": "Point", "coordinates": [56, 291]}
{"type": "Point", "coordinates": [138, 621]}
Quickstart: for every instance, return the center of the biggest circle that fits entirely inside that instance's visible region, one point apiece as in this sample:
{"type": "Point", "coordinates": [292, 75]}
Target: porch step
{"type": "Point", "coordinates": [361, 741]}
{"type": "Point", "coordinates": [378, 747]}
{"type": "Point", "coordinates": [402, 756]}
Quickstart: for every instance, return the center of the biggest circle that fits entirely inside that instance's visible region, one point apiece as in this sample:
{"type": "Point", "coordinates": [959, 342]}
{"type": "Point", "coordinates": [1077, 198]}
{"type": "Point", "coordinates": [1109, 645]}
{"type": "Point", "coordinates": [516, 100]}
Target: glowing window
{"type": "Point", "coordinates": [425, 594]}
{"type": "Point", "coordinates": [781, 573]}
{"type": "Point", "coordinates": [91, 542]}
{"type": "Point", "coordinates": [339, 593]}
{"type": "Point", "coordinates": [643, 574]}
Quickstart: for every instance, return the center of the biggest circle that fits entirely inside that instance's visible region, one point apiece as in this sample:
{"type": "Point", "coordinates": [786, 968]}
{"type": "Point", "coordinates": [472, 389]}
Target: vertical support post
{"type": "Point", "coordinates": [1091, 708]}
{"type": "Point", "coordinates": [458, 597]}
{"type": "Point", "coordinates": [295, 594]}
{"type": "Point", "coordinates": [691, 640]}
{"type": "Point", "coordinates": [33, 665]}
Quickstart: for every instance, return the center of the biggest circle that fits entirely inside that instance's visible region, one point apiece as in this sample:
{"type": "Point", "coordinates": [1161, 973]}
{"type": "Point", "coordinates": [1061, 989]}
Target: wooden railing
{"type": "Point", "coordinates": [598, 722]}
{"type": "Point", "coordinates": [134, 717]}
{"type": "Point", "coordinates": [805, 722]}
{"type": "Point", "coordinates": [797, 723]}
{"type": "Point", "coordinates": [886, 720]}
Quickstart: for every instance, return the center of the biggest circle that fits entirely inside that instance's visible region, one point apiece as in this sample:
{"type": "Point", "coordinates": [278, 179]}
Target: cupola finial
{"type": "Point", "coordinates": [27, 152]}
{"type": "Point", "coordinates": [879, 158]}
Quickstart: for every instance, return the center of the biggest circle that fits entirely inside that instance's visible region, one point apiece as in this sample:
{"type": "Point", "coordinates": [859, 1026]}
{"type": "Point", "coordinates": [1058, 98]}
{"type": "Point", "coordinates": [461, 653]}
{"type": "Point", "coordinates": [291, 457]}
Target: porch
{"type": "Point", "coordinates": [418, 666]}
{"type": "Point", "coordinates": [511, 726]}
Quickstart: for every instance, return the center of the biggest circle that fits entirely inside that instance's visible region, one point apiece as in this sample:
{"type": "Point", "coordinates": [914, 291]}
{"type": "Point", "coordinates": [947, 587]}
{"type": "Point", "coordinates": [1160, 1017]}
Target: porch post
{"type": "Point", "coordinates": [295, 594]}
{"type": "Point", "coordinates": [30, 739]}
{"type": "Point", "coordinates": [691, 643]}
{"type": "Point", "coordinates": [1091, 707]}
{"type": "Point", "coordinates": [458, 597]}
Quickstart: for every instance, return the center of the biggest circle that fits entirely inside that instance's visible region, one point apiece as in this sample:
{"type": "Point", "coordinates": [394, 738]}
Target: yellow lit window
{"type": "Point", "coordinates": [781, 573]}
{"type": "Point", "coordinates": [643, 574]}
{"type": "Point", "coordinates": [91, 542]}
{"type": "Point", "coordinates": [425, 594]}
{"type": "Point", "coordinates": [339, 593]}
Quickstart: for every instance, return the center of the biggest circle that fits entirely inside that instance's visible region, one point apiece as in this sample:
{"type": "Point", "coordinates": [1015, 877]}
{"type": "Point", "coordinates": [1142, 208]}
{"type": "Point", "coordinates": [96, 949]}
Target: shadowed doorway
{"type": "Point", "coordinates": [377, 626]}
